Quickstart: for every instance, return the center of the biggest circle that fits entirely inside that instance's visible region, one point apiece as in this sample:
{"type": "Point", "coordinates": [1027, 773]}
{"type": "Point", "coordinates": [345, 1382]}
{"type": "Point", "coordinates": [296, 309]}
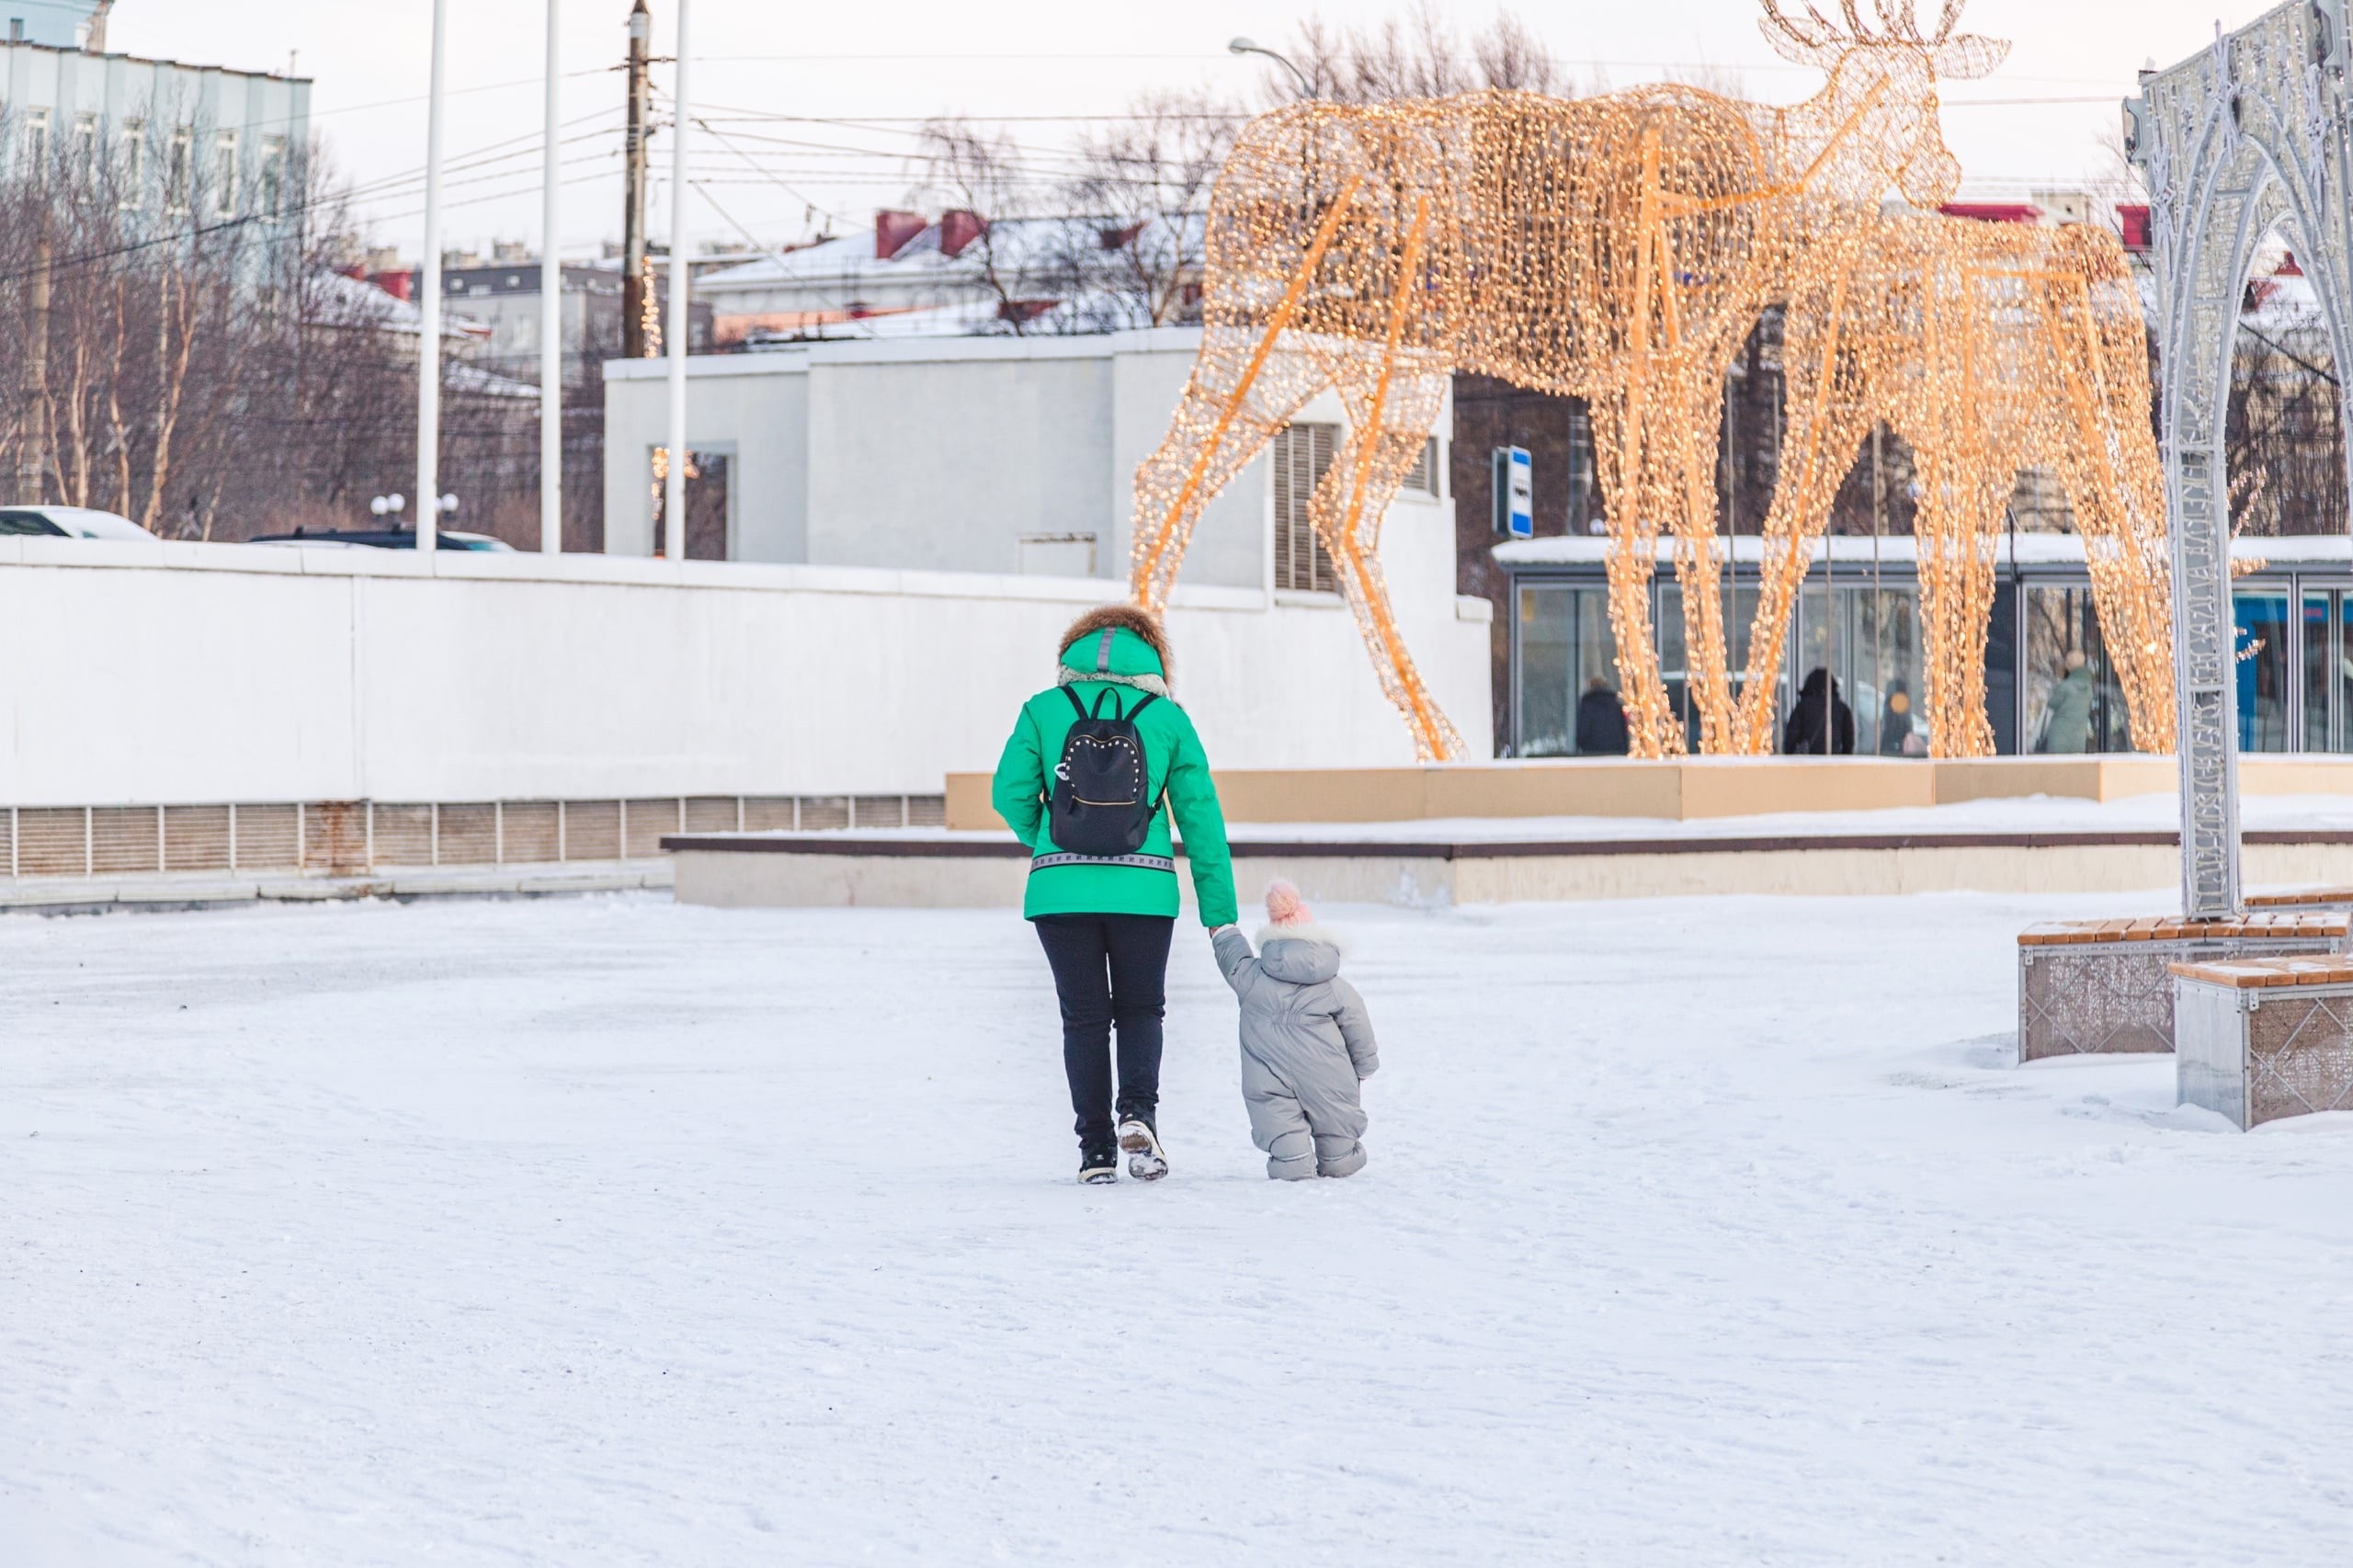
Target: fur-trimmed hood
{"type": "Point", "coordinates": [1118, 644]}
{"type": "Point", "coordinates": [1305, 954]}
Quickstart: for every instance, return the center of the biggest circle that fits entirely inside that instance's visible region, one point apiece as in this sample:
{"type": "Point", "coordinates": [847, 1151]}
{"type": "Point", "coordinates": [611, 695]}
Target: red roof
{"type": "Point", "coordinates": [1994, 211]}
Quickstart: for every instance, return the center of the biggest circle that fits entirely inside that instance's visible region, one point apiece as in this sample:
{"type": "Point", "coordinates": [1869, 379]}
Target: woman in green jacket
{"type": "Point", "coordinates": [1106, 921]}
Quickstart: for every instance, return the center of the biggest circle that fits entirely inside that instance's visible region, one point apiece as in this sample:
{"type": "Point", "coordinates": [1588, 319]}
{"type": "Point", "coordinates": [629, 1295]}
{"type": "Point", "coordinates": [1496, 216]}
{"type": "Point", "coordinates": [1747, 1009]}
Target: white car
{"type": "Point", "coordinates": [71, 522]}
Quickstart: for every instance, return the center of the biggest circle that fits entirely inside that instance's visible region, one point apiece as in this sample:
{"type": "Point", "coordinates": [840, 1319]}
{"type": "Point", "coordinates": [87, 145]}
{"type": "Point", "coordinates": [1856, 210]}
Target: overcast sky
{"type": "Point", "coordinates": [892, 62]}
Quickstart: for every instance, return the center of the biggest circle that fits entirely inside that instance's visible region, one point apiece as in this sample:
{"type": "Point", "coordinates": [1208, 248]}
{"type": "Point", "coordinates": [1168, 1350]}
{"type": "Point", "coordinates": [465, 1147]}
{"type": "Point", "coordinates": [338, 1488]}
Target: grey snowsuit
{"type": "Point", "coordinates": [1306, 1043]}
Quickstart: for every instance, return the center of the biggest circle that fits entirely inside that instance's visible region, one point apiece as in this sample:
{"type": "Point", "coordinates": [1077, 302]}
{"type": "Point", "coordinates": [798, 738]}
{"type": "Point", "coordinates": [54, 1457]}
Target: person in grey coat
{"type": "Point", "coordinates": [1306, 1042]}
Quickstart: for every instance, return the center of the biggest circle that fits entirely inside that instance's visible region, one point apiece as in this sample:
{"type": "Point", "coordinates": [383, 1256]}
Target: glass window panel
{"type": "Point", "coordinates": [2319, 645]}
{"type": "Point", "coordinates": [1601, 713]}
{"type": "Point", "coordinates": [2341, 706]}
{"type": "Point", "coordinates": [1675, 663]}
{"type": "Point", "coordinates": [2070, 698]}
{"type": "Point", "coordinates": [1880, 669]}
{"type": "Point", "coordinates": [2262, 669]}
{"type": "Point", "coordinates": [1547, 648]}
{"type": "Point", "coordinates": [1811, 647]}
{"type": "Point", "coordinates": [2002, 670]}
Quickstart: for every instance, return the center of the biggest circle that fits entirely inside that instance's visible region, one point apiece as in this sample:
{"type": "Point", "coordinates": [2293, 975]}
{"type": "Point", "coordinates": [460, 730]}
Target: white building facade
{"type": "Point", "coordinates": [1016, 457]}
{"type": "Point", "coordinates": [184, 142]}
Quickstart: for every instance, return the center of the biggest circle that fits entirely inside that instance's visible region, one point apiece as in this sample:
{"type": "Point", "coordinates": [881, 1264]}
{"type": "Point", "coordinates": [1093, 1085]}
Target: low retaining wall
{"type": "Point", "coordinates": [1690, 789]}
{"type": "Point", "coordinates": [926, 870]}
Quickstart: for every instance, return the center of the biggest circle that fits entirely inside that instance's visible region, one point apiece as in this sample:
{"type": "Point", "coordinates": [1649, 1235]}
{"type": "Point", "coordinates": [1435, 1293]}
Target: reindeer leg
{"type": "Point", "coordinates": [1956, 528]}
{"type": "Point", "coordinates": [2115, 481]}
{"type": "Point", "coordinates": [1629, 506]}
{"type": "Point", "coordinates": [1347, 509]}
{"type": "Point", "coordinates": [1829, 416]}
{"type": "Point", "coordinates": [1195, 461]}
{"type": "Point", "coordinates": [1213, 436]}
{"type": "Point", "coordinates": [1389, 426]}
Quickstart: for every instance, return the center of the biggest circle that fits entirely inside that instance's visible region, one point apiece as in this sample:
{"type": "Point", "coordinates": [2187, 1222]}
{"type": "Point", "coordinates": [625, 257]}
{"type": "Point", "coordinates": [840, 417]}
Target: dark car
{"type": "Point", "coordinates": [384, 538]}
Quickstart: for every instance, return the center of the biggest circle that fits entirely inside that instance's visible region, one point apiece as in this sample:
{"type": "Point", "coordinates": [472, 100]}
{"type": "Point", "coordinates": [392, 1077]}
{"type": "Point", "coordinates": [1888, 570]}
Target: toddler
{"type": "Point", "coordinates": [1306, 1041]}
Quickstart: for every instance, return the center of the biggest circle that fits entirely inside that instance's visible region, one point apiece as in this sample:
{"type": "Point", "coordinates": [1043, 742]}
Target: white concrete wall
{"type": "Point", "coordinates": [943, 466]}
{"type": "Point", "coordinates": [935, 454]}
{"type": "Point", "coordinates": [735, 404]}
{"type": "Point", "coordinates": [195, 673]}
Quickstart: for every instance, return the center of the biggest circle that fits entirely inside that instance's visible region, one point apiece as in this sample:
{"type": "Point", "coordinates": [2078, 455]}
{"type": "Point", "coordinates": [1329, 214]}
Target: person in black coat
{"type": "Point", "coordinates": [1810, 730]}
{"type": "Point", "coordinates": [1602, 721]}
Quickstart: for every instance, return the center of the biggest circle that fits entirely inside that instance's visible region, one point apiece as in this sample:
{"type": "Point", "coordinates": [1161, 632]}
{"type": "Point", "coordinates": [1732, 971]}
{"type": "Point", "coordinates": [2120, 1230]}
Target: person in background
{"type": "Point", "coordinates": [1601, 720]}
{"type": "Point", "coordinates": [1821, 724]}
{"type": "Point", "coordinates": [1895, 721]}
{"type": "Point", "coordinates": [2068, 722]}
{"type": "Point", "coordinates": [1105, 918]}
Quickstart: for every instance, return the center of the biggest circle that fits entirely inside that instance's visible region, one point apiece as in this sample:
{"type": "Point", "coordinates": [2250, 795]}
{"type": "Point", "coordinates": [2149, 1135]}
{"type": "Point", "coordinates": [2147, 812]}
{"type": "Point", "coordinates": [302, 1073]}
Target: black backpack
{"type": "Point", "coordinates": [1102, 804]}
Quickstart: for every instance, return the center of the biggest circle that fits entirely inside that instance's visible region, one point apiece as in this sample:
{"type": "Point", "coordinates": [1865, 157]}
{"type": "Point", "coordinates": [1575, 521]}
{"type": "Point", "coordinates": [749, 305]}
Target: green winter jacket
{"type": "Point", "coordinates": [1173, 756]}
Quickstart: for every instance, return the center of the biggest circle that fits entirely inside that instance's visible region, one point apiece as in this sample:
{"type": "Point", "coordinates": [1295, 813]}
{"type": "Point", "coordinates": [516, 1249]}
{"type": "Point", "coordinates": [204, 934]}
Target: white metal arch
{"type": "Point", "coordinates": [2245, 139]}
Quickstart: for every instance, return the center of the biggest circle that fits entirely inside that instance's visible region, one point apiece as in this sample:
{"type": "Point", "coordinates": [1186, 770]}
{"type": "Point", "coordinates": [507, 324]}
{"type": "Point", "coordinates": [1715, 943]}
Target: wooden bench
{"type": "Point", "coordinates": [2261, 1039]}
{"type": "Point", "coordinates": [2089, 987]}
{"type": "Point", "coordinates": [2310, 898]}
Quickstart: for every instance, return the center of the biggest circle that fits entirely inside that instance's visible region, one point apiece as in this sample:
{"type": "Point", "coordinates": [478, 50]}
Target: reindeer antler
{"type": "Point", "coordinates": [1817, 41]}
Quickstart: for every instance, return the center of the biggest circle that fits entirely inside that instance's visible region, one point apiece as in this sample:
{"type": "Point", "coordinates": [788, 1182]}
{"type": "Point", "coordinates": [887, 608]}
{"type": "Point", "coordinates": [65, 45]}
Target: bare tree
{"type": "Point", "coordinates": [981, 173]}
{"type": "Point", "coordinates": [1417, 54]}
{"type": "Point", "coordinates": [1144, 188]}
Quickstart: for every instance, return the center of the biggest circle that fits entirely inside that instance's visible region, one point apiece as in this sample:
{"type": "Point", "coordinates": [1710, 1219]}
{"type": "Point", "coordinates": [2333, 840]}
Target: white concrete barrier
{"type": "Point", "coordinates": [196, 674]}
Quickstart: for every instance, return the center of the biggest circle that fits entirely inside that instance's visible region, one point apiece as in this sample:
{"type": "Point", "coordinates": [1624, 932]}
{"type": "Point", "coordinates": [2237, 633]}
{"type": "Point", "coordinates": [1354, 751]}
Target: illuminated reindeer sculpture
{"type": "Point", "coordinates": [1989, 348]}
{"type": "Point", "coordinates": [1617, 249]}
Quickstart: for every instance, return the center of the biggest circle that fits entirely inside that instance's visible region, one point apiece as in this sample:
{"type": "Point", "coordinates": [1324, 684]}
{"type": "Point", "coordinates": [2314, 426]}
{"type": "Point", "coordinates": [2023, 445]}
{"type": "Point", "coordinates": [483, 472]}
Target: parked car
{"type": "Point", "coordinates": [71, 522]}
{"type": "Point", "coordinates": [384, 538]}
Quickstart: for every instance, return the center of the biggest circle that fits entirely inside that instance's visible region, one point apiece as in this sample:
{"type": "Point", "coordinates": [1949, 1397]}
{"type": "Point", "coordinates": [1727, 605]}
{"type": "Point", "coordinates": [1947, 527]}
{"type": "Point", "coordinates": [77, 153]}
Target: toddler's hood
{"type": "Point", "coordinates": [1300, 955]}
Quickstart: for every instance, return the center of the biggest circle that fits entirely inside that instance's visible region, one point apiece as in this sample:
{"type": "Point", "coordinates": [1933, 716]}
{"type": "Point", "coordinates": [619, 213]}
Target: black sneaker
{"type": "Point", "coordinates": [1142, 1141]}
{"type": "Point", "coordinates": [1098, 1168]}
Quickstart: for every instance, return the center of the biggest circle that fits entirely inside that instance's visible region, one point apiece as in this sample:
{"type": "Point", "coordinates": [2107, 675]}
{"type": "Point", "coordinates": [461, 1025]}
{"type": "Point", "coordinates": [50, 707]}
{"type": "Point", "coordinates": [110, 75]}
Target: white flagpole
{"type": "Point", "coordinates": [429, 356]}
{"type": "Point", "coordinates": [550, 320]}
{"type": "Point", "coordinates": [674, 490]}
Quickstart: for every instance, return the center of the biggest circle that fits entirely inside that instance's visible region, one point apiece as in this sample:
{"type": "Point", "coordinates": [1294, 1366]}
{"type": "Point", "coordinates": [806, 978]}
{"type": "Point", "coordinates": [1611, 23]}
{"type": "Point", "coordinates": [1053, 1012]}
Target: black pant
{"type": "Point", "coordinates": [1110, 968]}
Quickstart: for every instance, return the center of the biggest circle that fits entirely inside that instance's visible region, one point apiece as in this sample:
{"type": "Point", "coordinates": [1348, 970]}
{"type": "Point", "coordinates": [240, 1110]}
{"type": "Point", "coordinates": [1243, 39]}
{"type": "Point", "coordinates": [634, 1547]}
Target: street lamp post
{"type": "Point", "coordinates": [1247, 46]}
{"type": "Point", "coordinates": [551, 320]}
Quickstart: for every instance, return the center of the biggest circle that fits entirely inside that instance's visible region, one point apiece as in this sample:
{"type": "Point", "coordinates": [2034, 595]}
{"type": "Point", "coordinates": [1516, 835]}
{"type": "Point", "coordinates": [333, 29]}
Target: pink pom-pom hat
{"type": "Point", "coordinates": [1285, 907]}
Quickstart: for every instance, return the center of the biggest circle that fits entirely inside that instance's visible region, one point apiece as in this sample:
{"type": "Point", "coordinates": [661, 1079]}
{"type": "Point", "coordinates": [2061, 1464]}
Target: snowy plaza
{"type": "Point", "coordinates": [606, 1230]}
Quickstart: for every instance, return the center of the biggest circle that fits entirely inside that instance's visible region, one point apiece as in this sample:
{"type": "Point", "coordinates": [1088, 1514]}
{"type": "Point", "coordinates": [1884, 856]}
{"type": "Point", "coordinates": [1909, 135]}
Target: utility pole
{"type": "Point", "coordinates": [32, 451]}
{"type": "Point", "coordinates": [635, 306]}
{"type": "Point", "coordinates": [552, 314]}
{"type": "Point", "coordinates": [674, 494]}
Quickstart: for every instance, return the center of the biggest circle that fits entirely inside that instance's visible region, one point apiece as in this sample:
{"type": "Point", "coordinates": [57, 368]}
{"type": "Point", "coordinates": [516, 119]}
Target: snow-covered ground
{"type": "Point", "coordinates": [607, 1231]}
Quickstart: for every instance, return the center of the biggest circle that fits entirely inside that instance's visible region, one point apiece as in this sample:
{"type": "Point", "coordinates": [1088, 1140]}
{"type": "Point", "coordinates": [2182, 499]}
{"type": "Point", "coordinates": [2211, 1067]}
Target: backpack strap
{"type": "Point", "coordinates": [1077, 705]}
{"type": "Point", "coordinates": [1149, 698]}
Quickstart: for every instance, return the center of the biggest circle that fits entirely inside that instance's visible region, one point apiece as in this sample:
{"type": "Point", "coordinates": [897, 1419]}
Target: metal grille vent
{"type": "Point", "coordinates": [772, 815]}
{"type": "Point", "coordinates": [196, 839]}
{"type": "Point", "coordinates": [823, 813]}
{"type": "Point", "coordinates": [1301, 455]}
{"type": "Point", "coordinates": [644, 822]}
{"type": "Point", "coordinates": [53, 842]}
{"type": "Point", "coordinates": [469, 836]}
{"type": "Point", "coordinates": [592, 830]}
{"type": "Point", "coordinates": [269, 838]}
{"type": "Point", "coordinates": [403, 836]}
{"type": "Point", "coordinates": [531, 833]}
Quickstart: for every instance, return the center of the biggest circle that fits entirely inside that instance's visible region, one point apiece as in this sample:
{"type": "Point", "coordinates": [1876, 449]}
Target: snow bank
{"type": "Point", "coordinates": [606, 1231]}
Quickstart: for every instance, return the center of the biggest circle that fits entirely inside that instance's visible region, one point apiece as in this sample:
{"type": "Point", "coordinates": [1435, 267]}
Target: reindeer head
{"type": "Point", "coordinates": [1894, 48]}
